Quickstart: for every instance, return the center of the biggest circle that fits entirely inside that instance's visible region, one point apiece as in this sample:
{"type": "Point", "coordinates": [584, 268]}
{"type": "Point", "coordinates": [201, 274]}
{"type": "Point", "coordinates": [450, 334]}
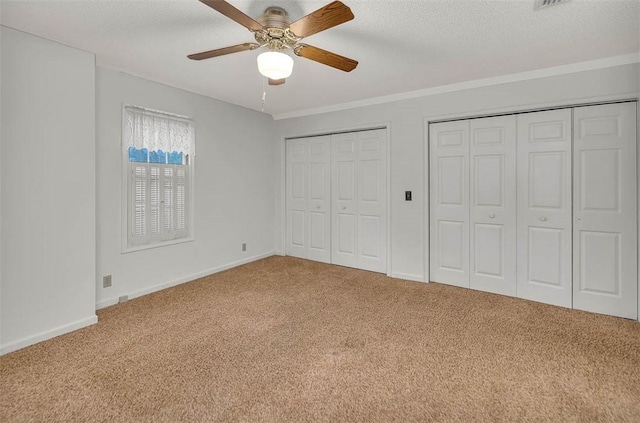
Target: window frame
{"type": "Point", "coordinates": [127, 244]}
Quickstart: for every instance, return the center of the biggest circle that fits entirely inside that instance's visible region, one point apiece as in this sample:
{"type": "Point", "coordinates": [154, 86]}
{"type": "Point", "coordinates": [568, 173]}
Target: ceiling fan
{"type": "Point", "coordinates": [274, 31]}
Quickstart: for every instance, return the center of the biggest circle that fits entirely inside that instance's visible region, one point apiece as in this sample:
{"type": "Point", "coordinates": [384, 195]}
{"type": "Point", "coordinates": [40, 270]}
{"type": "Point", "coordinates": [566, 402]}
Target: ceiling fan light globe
{"type": "Point", "coordinates": [275, 65]}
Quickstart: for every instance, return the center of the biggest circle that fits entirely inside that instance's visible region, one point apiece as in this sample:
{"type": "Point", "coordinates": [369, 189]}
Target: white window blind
{"type": "Point", "coordinates": [159, 150]}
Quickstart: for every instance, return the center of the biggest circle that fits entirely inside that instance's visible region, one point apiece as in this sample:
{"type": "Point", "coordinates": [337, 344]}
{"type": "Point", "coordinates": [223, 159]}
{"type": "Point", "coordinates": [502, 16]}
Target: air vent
{"type": "Point", "coordinates": [541, 4]}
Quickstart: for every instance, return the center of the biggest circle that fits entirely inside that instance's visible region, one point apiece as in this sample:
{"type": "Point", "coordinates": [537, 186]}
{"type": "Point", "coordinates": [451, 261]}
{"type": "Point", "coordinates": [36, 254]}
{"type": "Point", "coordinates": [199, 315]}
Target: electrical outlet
{"type": "Point", "coordinates": [244, 246]}
{"type": "Point", "coordinates": [106, 281]}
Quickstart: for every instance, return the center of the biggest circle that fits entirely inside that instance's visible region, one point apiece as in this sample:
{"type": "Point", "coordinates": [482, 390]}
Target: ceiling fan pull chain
{"type": "Point", "coordinates": [264, 93]}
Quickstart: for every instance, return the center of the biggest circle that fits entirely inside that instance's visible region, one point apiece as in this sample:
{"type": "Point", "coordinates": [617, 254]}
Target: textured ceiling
{"type": "Point", "coordinates": [402, 45]}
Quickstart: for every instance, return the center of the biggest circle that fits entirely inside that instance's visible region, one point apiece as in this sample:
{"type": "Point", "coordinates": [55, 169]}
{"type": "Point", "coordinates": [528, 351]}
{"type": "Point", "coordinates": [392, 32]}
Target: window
{"type": "Point", "coordinates": [158, 153]}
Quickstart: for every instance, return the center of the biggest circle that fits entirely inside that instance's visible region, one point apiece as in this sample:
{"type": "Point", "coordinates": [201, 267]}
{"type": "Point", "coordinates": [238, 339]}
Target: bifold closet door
{"type": "Point", "coordinates": [492, 217]}
{"type": "Point", "coordinates": [472, 197]}
{"type": "Point", "coordinates": [359, 230]}
{"type": "Point", "coordinates": [544, 207]}
{"type": "Point", "coordinates": [449, 203]}
{"type": "Point", "coordinates": [605, 210]}
{"type": "Point", "coordinates": [308, 214]}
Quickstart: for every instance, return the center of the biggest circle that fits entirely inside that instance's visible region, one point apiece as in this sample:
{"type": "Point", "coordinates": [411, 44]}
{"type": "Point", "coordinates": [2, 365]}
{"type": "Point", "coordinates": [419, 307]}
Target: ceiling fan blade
{"type": "Point", "coordinates": [233, 13]}
{"type": "Point", "coordinates": [326, 17]}
{"type": "Point", "coordinates": [325, 57]}
{"type": "Point", "coordinates": [222, 51]}
{"type": "Point", "coordinates": [277, 81]}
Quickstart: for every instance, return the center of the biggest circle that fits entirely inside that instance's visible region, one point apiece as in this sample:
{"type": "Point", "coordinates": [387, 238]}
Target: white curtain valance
{"type": "Point", "coordinates": [156, 131]}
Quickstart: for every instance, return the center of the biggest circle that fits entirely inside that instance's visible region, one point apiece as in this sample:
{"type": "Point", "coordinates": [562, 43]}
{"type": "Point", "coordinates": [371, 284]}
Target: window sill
{"type": "Point", "coordinates": [133, 249]}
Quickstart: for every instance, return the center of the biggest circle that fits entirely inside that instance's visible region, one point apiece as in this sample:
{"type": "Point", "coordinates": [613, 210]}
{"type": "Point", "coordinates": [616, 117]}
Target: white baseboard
{"type": "Point", "coordinates": [407, 276]}
{"type": "Point", "coordinates": [184, 279]}
{"type": "Point", "coordinates": [52, 333]}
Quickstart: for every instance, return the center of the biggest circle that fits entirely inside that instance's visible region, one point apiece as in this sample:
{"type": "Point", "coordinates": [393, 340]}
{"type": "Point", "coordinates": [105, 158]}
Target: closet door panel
{"type": "Point", "coordinates": [372, 196]}
{"type": "Point", "coordinates": [296, 185]}
{"type": "Point", "coordinates": [605, 210]}
{"type": "Point", "coordinates": [297, 219]}
{"type": "Point", "coordinates": [544, 207]}
{"type": "Point", "coordinates": [319, 199]}
{"type": "Point", "coordinates": [545, 253]}
{"type": "Point", "coordinates": [452, 181]}
{"type": "Point", "coordinates": [452, 245]}
{"type": "Point", "coordinates": [308, 218]}
{"type": "Point", "coordinates": [344, 200]}
{"type": "Point", "coordinates": [493, 205]}
{"type": "Point", "coordinates": [449, 203]}
{"type": "Point", "coordinates": [489, 250]}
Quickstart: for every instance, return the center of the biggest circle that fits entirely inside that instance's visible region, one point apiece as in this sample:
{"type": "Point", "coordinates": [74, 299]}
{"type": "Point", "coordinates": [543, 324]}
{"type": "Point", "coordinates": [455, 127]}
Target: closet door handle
{"type": "Point", "coordinates": [543, 219]}
{"type": "Point", "coordinates": [491, 216]}
{"type": "Point", "coordinates": [344, 207]}
{"type": "Point", "coordinates": [318, 207]}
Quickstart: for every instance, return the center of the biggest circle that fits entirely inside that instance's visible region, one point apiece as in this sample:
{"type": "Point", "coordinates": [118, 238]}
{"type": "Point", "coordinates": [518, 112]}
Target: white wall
{"type": "Point", "coordinates": [407, 122]}
{"type": "Point", "coordinates": [47, 190]}
{"type": "Point", "coordinates": [234, 188]}
{"type": "Point", "coordinates": [0, 177]}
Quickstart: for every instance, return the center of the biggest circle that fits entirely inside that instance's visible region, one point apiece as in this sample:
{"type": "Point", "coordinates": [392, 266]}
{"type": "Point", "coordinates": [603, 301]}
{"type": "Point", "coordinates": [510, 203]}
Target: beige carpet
{"type": "Point", "coordinates": [288, 340]}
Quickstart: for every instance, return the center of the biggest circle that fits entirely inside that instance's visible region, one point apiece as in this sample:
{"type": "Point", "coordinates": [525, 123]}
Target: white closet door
{"type": "Point", "coordinates": [319, 199]}
{"type": "Point", "coordinates": [492, 227]}
{"type": "Point", "coordinates": [296, 183]}
{"type": "Point", "coordinates": [359, 192]}
{"type": "Point", "coordinates": [605, 210]}
{"type": "Point", "coordinates": [449, 202]}
{"type": "Point", "coordinates": [544, 207]}
{"type": "Point", "coordinates": [308, 216]}
{"type": "Point", "coordinates": [344, 228]}
{"type": "Point", "coordinates": [372, 200]}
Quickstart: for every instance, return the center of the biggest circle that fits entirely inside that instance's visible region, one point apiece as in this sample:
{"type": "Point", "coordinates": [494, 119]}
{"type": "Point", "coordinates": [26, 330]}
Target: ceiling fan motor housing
{"type": "Point", "coordinates": [275, 33]}
{"type": "Point", "coordinates": [274, 17]}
